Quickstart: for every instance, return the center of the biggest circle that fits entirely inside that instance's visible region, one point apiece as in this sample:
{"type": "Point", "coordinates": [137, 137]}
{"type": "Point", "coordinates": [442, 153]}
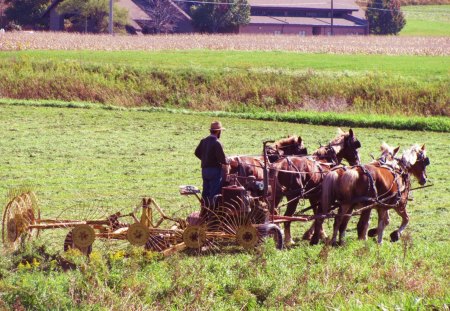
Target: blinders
{"type": "Point", "coordinates": [423, 158]}
{"type": "Point", "coordinates": [301, 151]}
{"type": "Point", "coordinates": [355, 144]}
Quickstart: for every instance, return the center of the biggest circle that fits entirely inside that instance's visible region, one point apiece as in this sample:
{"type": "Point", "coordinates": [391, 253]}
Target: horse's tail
{"type": "Point", "coordinates": [349, 179]}
{"type": "Point", "coordinates": [328, 185]}
{"type": "Point", "coordinates": [274, 169]}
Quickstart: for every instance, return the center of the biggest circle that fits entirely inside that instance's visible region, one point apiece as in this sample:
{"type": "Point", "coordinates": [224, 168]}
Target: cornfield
{"type": "Point", "coordinates": [388, 45]}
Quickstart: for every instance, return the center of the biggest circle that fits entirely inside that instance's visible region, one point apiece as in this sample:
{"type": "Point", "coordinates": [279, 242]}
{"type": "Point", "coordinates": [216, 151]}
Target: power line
{"type": "Point", "coordinates": [289, 5]}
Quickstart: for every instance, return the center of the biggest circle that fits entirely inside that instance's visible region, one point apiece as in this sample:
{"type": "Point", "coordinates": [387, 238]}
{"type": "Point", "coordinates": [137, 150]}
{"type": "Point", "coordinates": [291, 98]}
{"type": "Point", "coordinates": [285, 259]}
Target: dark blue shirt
{"type": "Point", "coordinates": [210, 152]}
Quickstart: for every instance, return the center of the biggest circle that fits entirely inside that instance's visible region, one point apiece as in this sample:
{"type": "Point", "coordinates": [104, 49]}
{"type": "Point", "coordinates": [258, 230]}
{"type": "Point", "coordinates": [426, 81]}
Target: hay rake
{"type": "Point", "coordinates": [232, 222]}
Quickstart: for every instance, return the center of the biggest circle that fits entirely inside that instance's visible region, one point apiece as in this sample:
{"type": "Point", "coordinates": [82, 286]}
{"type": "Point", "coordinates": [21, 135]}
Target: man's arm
{"type": "Point", "coordinates": [198, 150]}
{"type": "Point", "coordinates": [220, 155]}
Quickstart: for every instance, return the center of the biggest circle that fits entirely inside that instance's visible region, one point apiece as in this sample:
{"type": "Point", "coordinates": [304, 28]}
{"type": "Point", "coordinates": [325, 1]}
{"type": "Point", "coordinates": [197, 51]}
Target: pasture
{"type": "Point", "coordinates": [236, 81]}
{"type": "Point", "coordinates": [93, 161]}
{"type": "Point", "coordinates": [426, 20]}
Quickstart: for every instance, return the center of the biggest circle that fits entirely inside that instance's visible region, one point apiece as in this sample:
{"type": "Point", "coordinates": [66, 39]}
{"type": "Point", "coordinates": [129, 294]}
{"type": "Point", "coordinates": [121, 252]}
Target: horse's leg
{"type": "Point", "coordinates": [363, 224]}
{"type": "Point", "coordinates": [383, 221]}
{"type": "Point", "coordinates": [403, 213]}
{"type": "Point", "coordinates": [374, 231]}
{"type": "Point", "coordinates": [337, 222]}
{"type": "Point", "coordinates": [310, 232]}
{"type": "Point", "coordinates": [342, 228]}
{"type": "Point", "coordinates": [318, 227]}
{"type": "Point", "coordinates": [290, 210]}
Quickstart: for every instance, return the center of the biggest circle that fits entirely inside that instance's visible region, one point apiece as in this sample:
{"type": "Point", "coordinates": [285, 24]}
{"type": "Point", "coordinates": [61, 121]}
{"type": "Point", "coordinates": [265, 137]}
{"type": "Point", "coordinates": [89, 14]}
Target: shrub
{"type": "Point", "coordinates": [385, 17]}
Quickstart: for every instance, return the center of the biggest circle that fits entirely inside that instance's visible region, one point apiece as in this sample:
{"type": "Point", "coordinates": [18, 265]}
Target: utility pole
{"type": "Point", "coordinates": [332, 15]}
{"type": "Point", "coordinates": [111, 17]}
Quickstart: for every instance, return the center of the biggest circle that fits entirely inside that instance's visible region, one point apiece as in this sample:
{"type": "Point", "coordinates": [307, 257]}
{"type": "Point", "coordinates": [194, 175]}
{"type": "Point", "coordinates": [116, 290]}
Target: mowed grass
{"type": "Point", "coordinates": [426, 68]}
{"type": "Point", "coordinates": [88, 162]}
{"type": "Point", "coordinates": [426, 20]}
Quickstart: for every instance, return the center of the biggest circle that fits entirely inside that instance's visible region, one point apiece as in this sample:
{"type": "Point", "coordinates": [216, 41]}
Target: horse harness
{"type": "Point", "coordinates": [402, 180]}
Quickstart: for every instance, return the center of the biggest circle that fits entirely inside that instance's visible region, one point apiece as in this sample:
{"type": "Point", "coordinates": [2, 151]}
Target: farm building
{"type": "Point", "coordinates": [292, 17]}
{"type": "Point", "coordinates": [296, 17]}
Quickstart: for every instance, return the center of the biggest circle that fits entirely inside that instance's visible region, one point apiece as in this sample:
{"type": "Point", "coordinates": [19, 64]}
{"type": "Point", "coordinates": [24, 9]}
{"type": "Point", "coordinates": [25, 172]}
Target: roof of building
{"type": "Point", "coordinates": [305, 4]}
{"type": "Point", "coordinates": [310, 21]}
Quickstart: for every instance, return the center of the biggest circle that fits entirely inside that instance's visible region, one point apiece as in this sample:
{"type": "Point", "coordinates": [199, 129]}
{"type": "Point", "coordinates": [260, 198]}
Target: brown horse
{"type": "Point", "coordinates": [250, 168]}
{"type": "Point", "coordinates": [387, 158]}
{"type": "Point", "coordinates": [300, 177]}
{"type": "Point", "coordinates": [292, 145]}
{"type": "Point", "coordinates": [381, 187]}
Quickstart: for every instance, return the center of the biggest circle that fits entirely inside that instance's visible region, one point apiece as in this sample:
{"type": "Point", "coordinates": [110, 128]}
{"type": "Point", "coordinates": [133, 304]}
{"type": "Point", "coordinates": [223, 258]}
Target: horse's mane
{"type": "Point", "coordinates": [386, 151]}
{"type": "Point", "coordinates": [336, 143]}
{"type": "Point", "coordinates": [286, 142]}
{"type": "Point", "coordinates": [409, 156]}
{"type": "Point", "coordinates": [386, 148]}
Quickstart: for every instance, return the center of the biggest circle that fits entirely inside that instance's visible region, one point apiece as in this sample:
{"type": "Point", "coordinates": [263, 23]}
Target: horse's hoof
{"type": "Point", "coordinates": [334, 244]}
{"type": "Point", "coordinates": [372, 232]}
{"type": "Point", "coordinates": [307, 236]}
{"type": "Point", "coordinates": [289, 242]}
{"type": "Point", "coordinates": [314, 240]}
{"type": "Point", "coordinates": [395, 236]}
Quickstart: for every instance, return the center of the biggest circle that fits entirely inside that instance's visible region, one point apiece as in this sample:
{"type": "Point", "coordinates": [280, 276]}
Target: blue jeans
{"type": "Point", "coordinates": [212, 182]}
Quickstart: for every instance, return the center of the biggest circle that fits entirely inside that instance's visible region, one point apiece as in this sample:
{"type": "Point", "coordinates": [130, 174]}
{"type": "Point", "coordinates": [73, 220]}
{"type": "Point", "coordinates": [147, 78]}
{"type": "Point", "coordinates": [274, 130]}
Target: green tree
{"type": "Point", "coordinates": [385, 17]}
{"type": "Point", "coordinates": [219, 17]}
{"type": "Point", "coordinates": [27, 13]}
{"type": "Point", "coordinates": [92, 15]}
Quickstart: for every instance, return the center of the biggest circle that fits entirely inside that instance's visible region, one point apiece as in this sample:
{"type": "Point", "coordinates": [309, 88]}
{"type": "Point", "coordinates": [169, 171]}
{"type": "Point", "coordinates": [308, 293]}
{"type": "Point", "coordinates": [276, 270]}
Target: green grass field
{"type": "Point", "coordinates": [426, 20]}
{"type": "Point", "coordinates": [93, 161]}
{"type": "Point", "coordinates": [233, 81]}
{"type": "Point", "coordinates": [426, 68]}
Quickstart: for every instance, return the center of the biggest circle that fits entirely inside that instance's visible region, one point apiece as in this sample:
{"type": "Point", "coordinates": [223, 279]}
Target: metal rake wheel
{"type": "Point", "coordinates": [247, 236]}
{"type": "Point", "coordinates": [138, 234]}
{"type": "Point", "coordinates": [19, 214]}
{"type": "Point", "coordinates": [81, 237]}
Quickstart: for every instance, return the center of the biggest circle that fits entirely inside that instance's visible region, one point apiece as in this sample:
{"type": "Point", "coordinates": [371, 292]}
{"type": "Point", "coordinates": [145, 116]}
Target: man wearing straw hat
{"type": "Point", "coordinates": [210, 152]}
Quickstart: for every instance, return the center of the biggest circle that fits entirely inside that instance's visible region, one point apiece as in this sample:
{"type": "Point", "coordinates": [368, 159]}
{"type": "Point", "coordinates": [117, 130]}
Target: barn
{"type": "Point", "coordinates": [305, 18]}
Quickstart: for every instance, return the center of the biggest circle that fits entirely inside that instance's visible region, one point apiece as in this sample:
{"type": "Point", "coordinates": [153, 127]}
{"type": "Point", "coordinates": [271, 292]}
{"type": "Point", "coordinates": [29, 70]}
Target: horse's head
{"type": "Point", "coordinates": [415, 161]}
{"type": "Point", "coordinates": [293, 145]}
{"type": "Point", "coordinates": [346, 146]}
{"type": "Point", "coordinates": [388, 154]}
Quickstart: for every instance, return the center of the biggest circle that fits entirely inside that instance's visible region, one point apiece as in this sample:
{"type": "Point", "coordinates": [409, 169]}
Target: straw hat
{"type": "Point", "coordinates": [216, 126]}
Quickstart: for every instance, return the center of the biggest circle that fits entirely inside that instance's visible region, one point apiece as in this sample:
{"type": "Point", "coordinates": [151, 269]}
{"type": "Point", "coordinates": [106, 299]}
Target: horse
{"type": "Point", "coordinates": [387, 157]}
{"type": "Point", "coordinates": [301, 177]}
{"type": "Point", "coordinates": [251, 168]}
{"type": "Point", "coordinates": [380, 187]}
{"type": "Point", "coordinates": [292, 145]}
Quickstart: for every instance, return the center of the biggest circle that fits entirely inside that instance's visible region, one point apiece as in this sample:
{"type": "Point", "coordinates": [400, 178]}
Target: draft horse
{"type": "Point", "coordinates": [250, 168]}
{"type": "Point", "coordinates": [301, 177]}
{"type": "Point", "coordinates": [381, 187]}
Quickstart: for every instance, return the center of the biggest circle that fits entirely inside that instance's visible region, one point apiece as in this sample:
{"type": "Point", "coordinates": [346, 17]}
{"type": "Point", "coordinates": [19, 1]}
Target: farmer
{"type": "Point", "coordinates": [210, 152]}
